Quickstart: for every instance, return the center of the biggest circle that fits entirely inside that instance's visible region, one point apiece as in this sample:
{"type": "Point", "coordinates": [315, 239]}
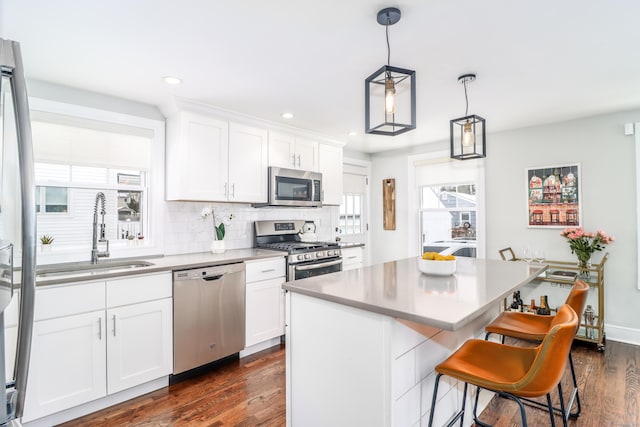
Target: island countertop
{"type": "Point", "coordinates": [398, 289]}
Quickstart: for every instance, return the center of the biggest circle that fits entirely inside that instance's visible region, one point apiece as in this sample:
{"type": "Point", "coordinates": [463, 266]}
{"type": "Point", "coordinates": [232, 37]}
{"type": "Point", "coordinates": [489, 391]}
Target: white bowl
{"type": "Point", "coordinates": [437, 268]}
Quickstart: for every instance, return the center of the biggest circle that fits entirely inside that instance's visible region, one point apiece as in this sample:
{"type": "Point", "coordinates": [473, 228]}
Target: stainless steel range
{"type": "Point", "coordinates": [307, 257]}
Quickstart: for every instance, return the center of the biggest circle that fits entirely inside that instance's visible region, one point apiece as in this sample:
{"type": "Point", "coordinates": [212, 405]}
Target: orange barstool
{"type": "Point", "coordinates": [554, 216]}
{"type": "Point", "coordinates": [512, 372]}
{"type": "Point", "coordinates": [533, 327]}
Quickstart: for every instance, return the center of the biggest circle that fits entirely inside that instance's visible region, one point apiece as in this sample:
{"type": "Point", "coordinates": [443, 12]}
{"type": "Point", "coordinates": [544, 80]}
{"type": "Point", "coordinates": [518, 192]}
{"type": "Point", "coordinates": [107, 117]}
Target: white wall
{"type": "Point", "coordinates": [608, 195]}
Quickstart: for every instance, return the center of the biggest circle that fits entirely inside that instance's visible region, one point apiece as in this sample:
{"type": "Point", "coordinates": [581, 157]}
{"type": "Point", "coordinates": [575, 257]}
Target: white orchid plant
{"type": "Point", "coordinates": [219, 222]}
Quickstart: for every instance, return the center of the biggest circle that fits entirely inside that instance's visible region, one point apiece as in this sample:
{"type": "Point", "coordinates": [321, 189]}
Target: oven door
{"type": "Point", "coordinates": [303, 271]}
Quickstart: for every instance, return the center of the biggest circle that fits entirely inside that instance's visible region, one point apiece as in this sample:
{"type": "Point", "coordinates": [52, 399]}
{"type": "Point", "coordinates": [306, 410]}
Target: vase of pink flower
{"type": "Point", "coordinates": [584, 244]}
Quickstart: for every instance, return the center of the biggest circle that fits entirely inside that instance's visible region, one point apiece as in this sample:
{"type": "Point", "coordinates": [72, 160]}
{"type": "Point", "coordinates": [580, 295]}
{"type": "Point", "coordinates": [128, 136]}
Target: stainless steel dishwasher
{"type": "Point", "coordinates": [208, 315]}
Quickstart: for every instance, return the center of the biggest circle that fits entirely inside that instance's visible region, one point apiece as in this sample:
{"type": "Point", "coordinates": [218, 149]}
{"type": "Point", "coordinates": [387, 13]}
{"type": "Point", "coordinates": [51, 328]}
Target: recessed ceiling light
{"type": "Point", "coordinates": [287, 115]}
{"type": "Point", "coordinates": [172, 80]}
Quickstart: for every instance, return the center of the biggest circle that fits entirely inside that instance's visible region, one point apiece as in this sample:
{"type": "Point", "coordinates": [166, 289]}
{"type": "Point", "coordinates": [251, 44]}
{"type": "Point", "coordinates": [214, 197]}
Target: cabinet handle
{"type": "Point", "coordinates": [226, 190]}
{"type": "Point", "coordinates": [100, 328]}
{"type": "Point", "coordinates": [268, 271]}
{"type": "Point", "coordinates": [352, 257]}
{"type": "Point", "coordinates": [293, 158]}
{"type": "Point", "coordinates": [298, 160]}
{"type": "Point", "coordinates": [233, 190]}
{"type": "Point", "coordinates": [114, 325]}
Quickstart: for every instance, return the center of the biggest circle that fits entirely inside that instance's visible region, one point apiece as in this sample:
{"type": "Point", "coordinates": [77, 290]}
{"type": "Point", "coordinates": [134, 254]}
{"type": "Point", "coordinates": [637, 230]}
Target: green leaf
{"type": "Point", "coordinates": [220, 232]}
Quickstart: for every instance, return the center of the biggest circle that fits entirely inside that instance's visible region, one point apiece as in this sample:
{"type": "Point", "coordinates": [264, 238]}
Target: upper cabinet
{"type": "Point", "coordinates": [293, 152]}
{"type": "Point", "coordinates": [208, 159]}
{"type": "Point", "coordinates": [248, 162]}
{"type": "Point", "coordinates": [330, 166]}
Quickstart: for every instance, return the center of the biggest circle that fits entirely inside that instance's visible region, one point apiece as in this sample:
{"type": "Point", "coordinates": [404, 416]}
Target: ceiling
{"type": "Point", "coordinates": [536, 61]}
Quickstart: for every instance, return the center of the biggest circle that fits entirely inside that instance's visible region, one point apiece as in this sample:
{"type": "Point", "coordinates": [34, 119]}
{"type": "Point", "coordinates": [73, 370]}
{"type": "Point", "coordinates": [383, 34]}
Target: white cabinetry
{"type": "Point", "coordinates": [208, 159]}
{"type": "Point", "coordinates": [197, 157]}
{"type": "Point", "coordinates": [330, 165]}
{"type": "Point", "coordinates": [248, 162]}
{"type": "Point", "coordinates": [293, 152]}
{"type": "Point", "coordinates": [352, 258]}
{"type": "Point", "coordinates": [93, 339]}
{"type": "Point", "coordinates": [264, 300]}
{"type": "Point", "coordinates": [139, 330]}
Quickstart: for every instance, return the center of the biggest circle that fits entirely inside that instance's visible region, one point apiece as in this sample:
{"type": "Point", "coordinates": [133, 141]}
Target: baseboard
{"type": "Point", "coordinates": [622, 334]}
{"type": "Point", "coordinates": [260, 346]}
{"type": "Point", "coordinates": [99, 404]}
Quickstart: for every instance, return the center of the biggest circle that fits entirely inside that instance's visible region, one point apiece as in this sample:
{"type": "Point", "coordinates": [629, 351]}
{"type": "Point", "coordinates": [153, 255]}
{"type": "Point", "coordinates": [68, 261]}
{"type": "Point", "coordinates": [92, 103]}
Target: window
{"type": "Point", "coordinates": [77, 157]}
{"type": "Point", "coordinates": [448, 213]}
{"type": "Point", "coordinates": [351, 213]}
{"type": "Point", "coordinates": [52, 200]}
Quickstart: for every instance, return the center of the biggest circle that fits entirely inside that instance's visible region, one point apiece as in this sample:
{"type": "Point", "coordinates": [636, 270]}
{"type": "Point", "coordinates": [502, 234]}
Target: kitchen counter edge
{"type": "Point", "coordinates": [165, 263]}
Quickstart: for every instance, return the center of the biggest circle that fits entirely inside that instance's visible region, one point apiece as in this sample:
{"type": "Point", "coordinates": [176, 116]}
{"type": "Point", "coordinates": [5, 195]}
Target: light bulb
{"type": "Point", "coordinates": [467, 135]}
{"type": "Point", "coordinates": [389, 96]}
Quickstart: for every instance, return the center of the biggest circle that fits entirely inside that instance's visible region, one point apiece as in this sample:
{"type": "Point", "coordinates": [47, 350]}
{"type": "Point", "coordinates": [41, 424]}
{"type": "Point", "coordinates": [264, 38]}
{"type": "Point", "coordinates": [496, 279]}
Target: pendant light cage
{"type": "Point", "coordinates": [468, 133]}
{"type": "Point", "coordinates": [381, 121]}
{"type": "Point", "coordinates": [390, 92]}
{"type": "Point", "coordinates": [468, 138]}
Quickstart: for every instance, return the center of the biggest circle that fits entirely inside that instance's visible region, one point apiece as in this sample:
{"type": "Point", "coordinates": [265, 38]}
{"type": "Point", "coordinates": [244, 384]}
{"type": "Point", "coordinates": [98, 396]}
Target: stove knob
{"type": "Point", "coordinates": [329, 253]}
{"type": "Point", "coordinates": [307, 256]}
{"type": "Point", "coordinates": [320, 254]}
{"type": "Point", "coordinates": [300, 257]}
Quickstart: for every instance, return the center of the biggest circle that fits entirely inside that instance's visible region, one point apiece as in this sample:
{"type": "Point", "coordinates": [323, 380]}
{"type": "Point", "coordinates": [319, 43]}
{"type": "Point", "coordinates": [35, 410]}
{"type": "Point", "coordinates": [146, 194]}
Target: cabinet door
{"type": "Point", "coordinates": [265, 310]}
{"type": "Point", "coordinates": [139, 347]}
{"type": "Point", "coordinates": [248, 161]}
{"type": "Point", "coordinates": [68, 360]}
{"type": "Point", "coordinates": [282, 150]}
{"type": "Point", "coordinates": [330, 166]}
{"type": "Point", "coordinates": [307, 154]}
{"type": "Point", "coordinates": [197, 158]}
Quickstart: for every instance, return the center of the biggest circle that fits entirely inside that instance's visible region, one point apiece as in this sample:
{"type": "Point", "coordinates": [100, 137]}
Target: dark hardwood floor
{"type": "Point", "coordinates": [250, 392]}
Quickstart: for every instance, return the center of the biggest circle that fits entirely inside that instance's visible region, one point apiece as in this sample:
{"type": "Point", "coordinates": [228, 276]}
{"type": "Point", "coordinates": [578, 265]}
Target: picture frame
{"type": "Point", "coordinates": [554, 196]}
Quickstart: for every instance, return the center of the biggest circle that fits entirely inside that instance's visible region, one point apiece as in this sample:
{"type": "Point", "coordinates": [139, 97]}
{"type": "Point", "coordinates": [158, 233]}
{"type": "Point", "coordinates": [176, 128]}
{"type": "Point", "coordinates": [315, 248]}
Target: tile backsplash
{"type": "Point", "coordinates": [186, 232]}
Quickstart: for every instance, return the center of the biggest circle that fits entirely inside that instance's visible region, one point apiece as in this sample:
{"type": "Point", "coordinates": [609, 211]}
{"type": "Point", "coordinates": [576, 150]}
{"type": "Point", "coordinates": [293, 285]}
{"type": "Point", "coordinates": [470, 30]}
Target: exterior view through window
{"type": "Point", "coordinates": [448, 219]}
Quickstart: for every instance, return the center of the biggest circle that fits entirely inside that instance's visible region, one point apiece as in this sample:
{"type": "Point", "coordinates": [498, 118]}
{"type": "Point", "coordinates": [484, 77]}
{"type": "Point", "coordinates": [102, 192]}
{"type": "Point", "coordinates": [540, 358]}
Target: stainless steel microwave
{"type": "Point", "coordinates": [291, 187]}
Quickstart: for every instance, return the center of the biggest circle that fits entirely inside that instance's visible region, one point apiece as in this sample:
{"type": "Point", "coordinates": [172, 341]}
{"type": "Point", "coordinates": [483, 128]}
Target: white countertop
{"type": "Point", "coordinates": [398, 289]}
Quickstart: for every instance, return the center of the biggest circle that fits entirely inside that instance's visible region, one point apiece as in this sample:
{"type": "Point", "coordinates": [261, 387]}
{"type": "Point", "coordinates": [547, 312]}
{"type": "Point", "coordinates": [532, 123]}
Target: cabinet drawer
{"type": "Point", "coordinates": [66, 300]}
{"type": "Point", "coordinates": [265, 269]}
{"type": "Point", "coordinates": [137, 289]}
{"type": "Point", "coordinates": [351, 256]}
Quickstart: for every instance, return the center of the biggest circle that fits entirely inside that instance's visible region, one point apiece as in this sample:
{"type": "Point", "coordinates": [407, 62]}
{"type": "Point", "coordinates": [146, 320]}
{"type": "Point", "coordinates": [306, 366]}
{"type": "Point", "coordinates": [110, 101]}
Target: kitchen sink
{"type": "Point", "coordinates": [85, 268]}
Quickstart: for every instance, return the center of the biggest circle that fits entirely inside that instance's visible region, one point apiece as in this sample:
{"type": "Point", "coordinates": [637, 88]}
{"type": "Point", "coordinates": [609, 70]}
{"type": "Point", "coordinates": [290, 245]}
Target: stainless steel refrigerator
{"type": "Point", "coordinates": [17, 227]}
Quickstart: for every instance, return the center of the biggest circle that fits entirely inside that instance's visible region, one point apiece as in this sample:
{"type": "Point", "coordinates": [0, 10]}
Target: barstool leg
{"type": "Point", "coordinates": [550, 406]}
{"type": "Point", "coordinates": [460, 413]}
{"type": "Point", "coordinates": [577, 392]}
{"type": "Point", "coordinates": [434, 399]}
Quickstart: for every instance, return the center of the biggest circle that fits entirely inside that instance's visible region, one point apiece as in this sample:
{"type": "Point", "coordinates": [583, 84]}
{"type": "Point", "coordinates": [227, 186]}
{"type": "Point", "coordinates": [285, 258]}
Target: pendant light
{"type": "Point", "coordinates": [468, 138]}
{"type": "Point", "coordinates": [390, 92]}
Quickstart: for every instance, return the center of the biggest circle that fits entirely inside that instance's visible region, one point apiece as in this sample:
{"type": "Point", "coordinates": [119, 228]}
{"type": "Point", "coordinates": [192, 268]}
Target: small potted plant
{"type": "Point", "coordinates": [46, 241]}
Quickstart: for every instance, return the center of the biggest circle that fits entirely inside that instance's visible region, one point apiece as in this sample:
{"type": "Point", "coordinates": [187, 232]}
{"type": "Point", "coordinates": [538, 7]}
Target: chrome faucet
{"type": "Point", "coordinates": [95, 253]}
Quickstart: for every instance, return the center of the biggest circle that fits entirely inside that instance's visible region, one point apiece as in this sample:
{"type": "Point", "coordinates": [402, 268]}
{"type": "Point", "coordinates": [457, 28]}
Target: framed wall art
{"type": "Point", "coordinates": [553, 196]}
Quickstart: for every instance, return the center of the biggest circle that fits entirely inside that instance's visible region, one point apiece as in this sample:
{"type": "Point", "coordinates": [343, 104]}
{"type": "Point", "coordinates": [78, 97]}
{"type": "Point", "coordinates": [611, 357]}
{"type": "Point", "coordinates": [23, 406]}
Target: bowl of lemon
{"type": "Point", "coordinates": [437, 265]}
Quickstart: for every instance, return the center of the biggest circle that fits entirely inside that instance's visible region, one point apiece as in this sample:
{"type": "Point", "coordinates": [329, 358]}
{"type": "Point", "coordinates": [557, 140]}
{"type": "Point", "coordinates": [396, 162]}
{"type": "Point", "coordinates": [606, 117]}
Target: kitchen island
{"type": "Point", "coordinates": [362, 344]}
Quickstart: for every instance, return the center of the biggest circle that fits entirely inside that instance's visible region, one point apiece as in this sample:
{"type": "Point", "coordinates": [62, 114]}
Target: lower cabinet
{"type": "Point", "coordinates": [352, 258]}
{"type": "Point", "coordinates": [139, 344]}
{"type": "Point", "coordinates": [264, 300]}
{"type": "Point", "coordinates": [84, 347]}
{"type": "Point", "coordinates": [67, 365]}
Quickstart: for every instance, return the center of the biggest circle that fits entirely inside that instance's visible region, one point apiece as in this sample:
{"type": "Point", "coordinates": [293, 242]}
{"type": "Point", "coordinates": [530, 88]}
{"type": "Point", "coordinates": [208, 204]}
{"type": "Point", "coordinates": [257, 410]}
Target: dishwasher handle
{"type": "Point", "coordinates": [213, 277]}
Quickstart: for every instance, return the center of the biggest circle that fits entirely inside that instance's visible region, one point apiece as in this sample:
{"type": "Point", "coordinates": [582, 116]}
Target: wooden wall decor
{"type": "Point", "coordinates": [389, 203]}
